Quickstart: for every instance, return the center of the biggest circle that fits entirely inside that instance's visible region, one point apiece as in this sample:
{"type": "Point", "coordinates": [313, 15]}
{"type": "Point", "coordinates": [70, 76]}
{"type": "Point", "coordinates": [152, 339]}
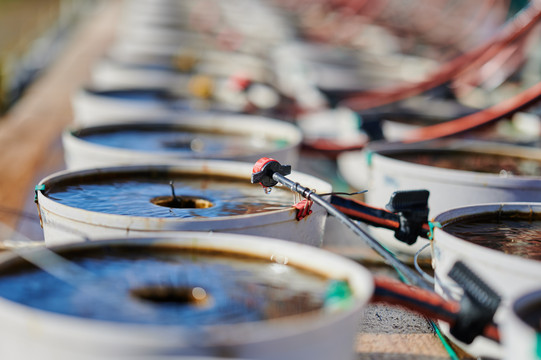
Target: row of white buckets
{"type": "Point", "coordinates": [509, 275]}
{"type": "Point", "coordinates": [184, 214]}
{"type": "Point", "coordinates": [380, 169]}
{"type": "Point", "coordinates": [195, 219]}
{"type": "Point", "coordinates": [144, 238]}
{"type": "Point", "coordinates": [323, 333]}
{"type": "Point", "coordinates": [456, 194]}
{"type": "Point", "coordinates": [186, 142]}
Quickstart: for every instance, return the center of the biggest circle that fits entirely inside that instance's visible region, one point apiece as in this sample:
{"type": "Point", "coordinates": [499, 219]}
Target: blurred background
{"type": "Point", "coordinates": [31, 34]}
{"type": "Point", "coordinates": [388, 31]}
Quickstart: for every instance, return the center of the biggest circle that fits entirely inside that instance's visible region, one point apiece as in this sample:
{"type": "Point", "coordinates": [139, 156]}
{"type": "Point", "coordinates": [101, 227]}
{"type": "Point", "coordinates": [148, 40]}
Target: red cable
{"type": "Point", "coordinates": [503, 109]}
{"type": "Point", "coordinates": [520, 26]}
{"type": "Point", "coordinates": [421, 301]}
{"type": "Point", "coordinates": [424, 302]}
{"type": "Point", "coordinates": [374, 219]}
{"type": "Point", "coordinates": [386, 223]}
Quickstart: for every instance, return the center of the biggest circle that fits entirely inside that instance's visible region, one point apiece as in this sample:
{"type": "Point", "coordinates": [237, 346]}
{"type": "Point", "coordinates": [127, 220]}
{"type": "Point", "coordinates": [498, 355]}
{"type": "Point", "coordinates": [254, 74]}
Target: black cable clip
{"type": "Point", "coordinates": [411, 206]}
{"type": "Point", "coordinates": [477, 306]}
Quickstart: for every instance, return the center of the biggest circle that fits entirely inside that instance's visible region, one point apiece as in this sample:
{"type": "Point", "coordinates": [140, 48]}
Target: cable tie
{"type": "Point", "coordinates": [432, 225]}
{"type": "Point", "coordinates": [36, 189]}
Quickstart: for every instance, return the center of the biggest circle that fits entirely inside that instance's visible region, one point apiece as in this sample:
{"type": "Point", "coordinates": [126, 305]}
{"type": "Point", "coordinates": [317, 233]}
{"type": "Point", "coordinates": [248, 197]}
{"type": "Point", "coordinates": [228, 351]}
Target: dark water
{"type": "Point", "coordinates": [150, 95]}
{"type": "Point", "coordinates": [132, 194]}
{"type": "Point", "coordinates": [511, 233]}
{"type": "Point", "coordinates": [178, 140]}
{"type": "Point", "coordinates": [471, 161]}
{"type": "Point", "coordinates": [237, 288]}
{"type": "Point", "coordinates": [531, 315]}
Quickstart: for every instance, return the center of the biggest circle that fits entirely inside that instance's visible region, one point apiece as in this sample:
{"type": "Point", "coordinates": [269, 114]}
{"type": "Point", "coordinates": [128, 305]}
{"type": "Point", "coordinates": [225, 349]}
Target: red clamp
{"type": "Point", "coordinates": [265, 168]}
{"type": "Point", "coordinates": [304, 208]}
{"type": "Point", "coordinates": [239, 82]}
{"type": "Point", "coordinates": [260, 164]}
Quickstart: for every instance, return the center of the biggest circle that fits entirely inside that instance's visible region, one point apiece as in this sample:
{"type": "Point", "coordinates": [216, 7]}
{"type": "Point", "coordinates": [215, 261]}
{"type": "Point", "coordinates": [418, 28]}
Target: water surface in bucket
{"type": "Point", "coordinates": [472, 161]}
{"type": "Point", "coordinates": [134, 94]}
{"type": "Point", "coordinates": [142, 285]}
{"type": "Point", "coordinates": [135, 194]}
{"type": "Point", "coordinates": [512, 233]}
{"type": "Point", "coordinates": [182, 140]}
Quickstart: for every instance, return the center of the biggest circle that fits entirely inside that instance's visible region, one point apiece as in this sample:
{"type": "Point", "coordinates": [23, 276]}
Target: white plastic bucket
{"type": "Point", "coordinates": [152, 13]}
{"type": "Point", "coordinates": [509, 275]}
{"type": "Point", "coordinates": [521, 340]}
{"type": "Point", "coordinates": [109, 75]}
{"type": "Point", "coordinates": [92, 106]}
{"type": "Point", "coordinates": [62, 223]}
{"type": "Point", "coordinates": [138, 70]}
{"type": "Point", "coordinates": [209, 61]}
{"type": "Point", "coordinates": [262, 137]}
{"type": "Point", "coordinates": [254, 43]}
{"type": "Point", "coordinates": [339, 126]}
{"type": "Point", "coordinates": [372, 169]}
{"type": "Point", "coordinates": [30, 333]}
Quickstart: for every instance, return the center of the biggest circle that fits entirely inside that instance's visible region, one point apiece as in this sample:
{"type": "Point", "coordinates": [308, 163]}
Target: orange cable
{"type": "Point", "coordinates": [505, 108]}
{"type": "Point", "coordinates": [521, 25]}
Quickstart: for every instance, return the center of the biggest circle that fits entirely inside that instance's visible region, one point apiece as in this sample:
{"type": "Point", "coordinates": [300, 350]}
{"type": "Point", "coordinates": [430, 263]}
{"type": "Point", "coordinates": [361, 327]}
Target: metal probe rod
{"type": "Point", "coordinates": [408, 273]}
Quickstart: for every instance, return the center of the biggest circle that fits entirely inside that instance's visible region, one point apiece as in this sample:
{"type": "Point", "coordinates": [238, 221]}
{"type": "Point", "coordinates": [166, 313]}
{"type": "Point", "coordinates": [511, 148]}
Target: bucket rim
{"type": "Point", "coordinates": [378, 154]}
{"type": "Point", "coordinates": [300, 255]}
{"type": "Point", "coordinates": [203, 167]}
{"type": "Point", "coordinates": [445, 240]}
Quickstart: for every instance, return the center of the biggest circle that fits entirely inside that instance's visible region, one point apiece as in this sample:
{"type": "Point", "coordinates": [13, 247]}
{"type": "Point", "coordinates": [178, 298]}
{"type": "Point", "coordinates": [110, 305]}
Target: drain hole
{"type": "Point", "coordinates": [171, 294]}
{"type": "Point", "coordinates": [182, 202]}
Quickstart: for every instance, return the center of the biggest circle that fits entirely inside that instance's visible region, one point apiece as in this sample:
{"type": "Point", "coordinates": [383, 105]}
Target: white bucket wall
{"type": "Point", "coordinates": [381, 175]}
{"type": "Point", "coordinates": [215, 62]}
{"type": "Point", "coordinates": [520, 340]}
{"type": "Point", "coordinates": [113, 74]}
{"type": "Point", "coordinates": [93, 109]}
{"type": "Point", "coordinates": [64, 224]}
{"type": "Point", "coordinates": [452, 188]}
{"type": "Point", "coordinates": [96, 106]}
{"type": "Point", "coordinates": [510, 276]}
{"type": "Point", "coordinates": [29, 333]}
{"type": "Point", "coordinates": [175, 37]}
{"type": "Point", "coordinates": [109, 75]}
{"type": "Point", "coordinates": [79, 153]}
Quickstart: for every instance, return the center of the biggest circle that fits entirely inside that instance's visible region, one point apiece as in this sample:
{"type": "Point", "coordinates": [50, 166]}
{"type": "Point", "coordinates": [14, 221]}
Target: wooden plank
{"type": "Point", "coordinates": [401, 344]}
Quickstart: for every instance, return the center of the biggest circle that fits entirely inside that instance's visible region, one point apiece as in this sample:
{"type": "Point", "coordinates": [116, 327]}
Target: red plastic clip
{"type": "Point", "coordinates": [304, 208]}
{"type": "Point", "coordinates": [239, 82]}
{"type": "Point", "coordinates": [258, 166]}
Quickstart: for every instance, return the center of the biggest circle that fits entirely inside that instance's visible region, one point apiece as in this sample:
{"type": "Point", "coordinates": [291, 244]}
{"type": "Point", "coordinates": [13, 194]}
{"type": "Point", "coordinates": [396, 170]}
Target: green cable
{"type": "Point", "coordinates": [338, 295]}
{"type": "Point", "coordinates": [443, 340]}
{"type": "Point", "coordinates": [538, 345]}
{"type": "Point", "coordinates": [450, 351]}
